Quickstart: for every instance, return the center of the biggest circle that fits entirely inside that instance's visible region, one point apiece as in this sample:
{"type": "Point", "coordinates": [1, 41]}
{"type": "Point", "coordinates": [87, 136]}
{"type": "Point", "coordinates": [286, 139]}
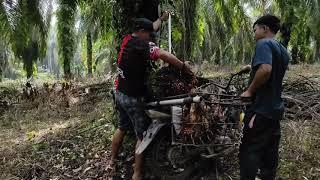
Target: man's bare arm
{"type": "Point", "coordinates": [261, 77]}
{"type": "Point", "coordinates": [158, 22]}
{"type": "Point", "coordinates": [172, 59]}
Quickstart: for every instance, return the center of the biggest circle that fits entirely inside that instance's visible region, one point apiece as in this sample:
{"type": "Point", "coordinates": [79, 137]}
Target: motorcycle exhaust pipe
{"type": "Point", "coordinates": [173, 102]}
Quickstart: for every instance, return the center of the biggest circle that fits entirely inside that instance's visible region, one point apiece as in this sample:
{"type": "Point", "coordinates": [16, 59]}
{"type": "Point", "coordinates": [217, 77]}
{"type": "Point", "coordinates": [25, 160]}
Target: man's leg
{"type": "Point", "coordinates": [138, 164]}
{"type": "Point", "coordinates": [141, 122]}
{"type": "Point", "coordinates": [249, 162]}
{"type": "Point", "coordinates": [134, 108]}
{"type": "Point", "coordinates": [252, 147]}
{"type": "Point", "coordinates": [117, 140]}
{"type": "Point", "coordinates": [270, 159]}
{"type": "Point", "coordinates": [124, 125]}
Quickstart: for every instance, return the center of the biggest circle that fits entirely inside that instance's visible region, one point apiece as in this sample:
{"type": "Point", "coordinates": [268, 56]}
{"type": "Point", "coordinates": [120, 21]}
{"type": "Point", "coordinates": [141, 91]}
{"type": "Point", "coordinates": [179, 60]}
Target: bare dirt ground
{"type": "Point", "coordinates": [64, 132]}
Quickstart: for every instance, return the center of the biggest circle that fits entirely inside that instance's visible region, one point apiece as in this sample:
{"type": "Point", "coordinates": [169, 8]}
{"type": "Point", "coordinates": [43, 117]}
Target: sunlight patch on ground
{"type": "Point", "coordinates": [13, 136]}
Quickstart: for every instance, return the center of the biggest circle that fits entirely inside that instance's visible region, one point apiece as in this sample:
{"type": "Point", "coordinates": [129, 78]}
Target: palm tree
{"type": "Point", "coordinates": [3, 58]}
{"type": "Point", "coordinates": [314, 24]}
{"type": "Point", "coordinates": [25, 28]}
{"type": "Point", "coordinates": [66, 35]}
{"type": "Point", "coordinates": [189, 10]}
{"type": "Point", "coordinates": [297, 14]}
{"type": "Point", "coordinates": [96, 17]}
{"type": "Point", "coordinates": [213, 30]}
{"type": "Point", "coordinates": [125, 11]}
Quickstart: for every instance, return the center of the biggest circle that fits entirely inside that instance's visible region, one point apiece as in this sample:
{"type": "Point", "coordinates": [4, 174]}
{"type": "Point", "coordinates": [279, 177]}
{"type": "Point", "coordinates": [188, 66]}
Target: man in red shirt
{"type": "Point", "coordinates": [135, 54]}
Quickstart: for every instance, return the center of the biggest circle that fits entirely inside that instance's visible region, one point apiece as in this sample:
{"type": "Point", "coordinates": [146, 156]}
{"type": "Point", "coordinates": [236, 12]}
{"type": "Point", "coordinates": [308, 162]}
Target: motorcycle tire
{"type": "Point", "coordinates": [157, 163]}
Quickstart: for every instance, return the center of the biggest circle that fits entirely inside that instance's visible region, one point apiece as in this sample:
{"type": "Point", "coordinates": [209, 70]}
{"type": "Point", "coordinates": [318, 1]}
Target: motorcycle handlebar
{"type": "Point", "coordinates": [179, 101]}
{"type": "Point", "coordinates": [245, 70]}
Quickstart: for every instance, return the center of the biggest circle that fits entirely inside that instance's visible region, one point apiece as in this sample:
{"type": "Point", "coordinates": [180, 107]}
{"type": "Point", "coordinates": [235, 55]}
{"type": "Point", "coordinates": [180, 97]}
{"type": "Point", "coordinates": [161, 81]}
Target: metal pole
{"type": "Point", "coordinates": [169, 33]}
{"type": "Point", "coordinates": [180, 101]}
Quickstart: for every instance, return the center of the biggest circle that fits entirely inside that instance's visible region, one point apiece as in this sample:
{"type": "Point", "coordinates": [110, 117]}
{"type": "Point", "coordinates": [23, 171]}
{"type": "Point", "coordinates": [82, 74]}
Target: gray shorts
{"type": "Point", "coordinates": [132, 114]}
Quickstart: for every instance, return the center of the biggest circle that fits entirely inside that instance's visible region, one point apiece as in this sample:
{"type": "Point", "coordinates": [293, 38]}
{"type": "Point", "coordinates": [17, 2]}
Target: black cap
{"type": "Point", "coordinates": [143, 24]}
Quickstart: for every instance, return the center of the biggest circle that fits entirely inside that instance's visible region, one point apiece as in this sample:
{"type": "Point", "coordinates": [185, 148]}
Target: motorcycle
{"type": "Point", "coordinates": [189, 132]}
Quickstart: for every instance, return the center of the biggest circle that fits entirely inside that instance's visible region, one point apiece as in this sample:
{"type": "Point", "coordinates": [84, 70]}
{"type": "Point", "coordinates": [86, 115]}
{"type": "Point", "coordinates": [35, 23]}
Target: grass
{"type": "Point", "coordinates": [299, 151]}
{"type": "Point", "coordinates": [60, 147]}
{"type": "Point", "coordinates": [42, 139]}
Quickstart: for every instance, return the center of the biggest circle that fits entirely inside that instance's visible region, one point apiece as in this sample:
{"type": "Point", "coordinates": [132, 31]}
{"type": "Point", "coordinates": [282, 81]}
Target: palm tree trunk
{"type": "Point", "coordinates": [1, 67]}
{"type": "Point", "coordinates": [286, 34]}
{"type": "Point", "coordinates": [67, 69]}
{"type": "Point", "coordinates": [89, 53]}
{"type": "Point", "coordinates": [286, 29]}
{"type": "Point", "coordinates": [190, 8]}
{"type": "Point", "coordinates": [2, 58]}
{"type": "Point", "coordinates": [125, 12]}
{"type": "Point", "coordinates": [294, 55]}
{"type": "Point", "coordinates": [66, 35]}
{"type": "Point", "coordinates": [217, 59]}
{"type": "Point", "coordinates": [29, 56]}
{"type": "Point", "coordinates": [317, 51]}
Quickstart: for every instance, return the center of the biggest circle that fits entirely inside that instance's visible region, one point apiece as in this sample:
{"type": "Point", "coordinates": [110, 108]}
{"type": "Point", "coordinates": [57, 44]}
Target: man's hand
{"type": "Point", "coordinates": [186, 68]}
{"type": "Point", "coordinates": [243, 68]}
{"type": "Point", "coordinates": [246, 94]}
{"type": "Point", "coordinates": [165, 16]}
{"type": "Point", "coordinates": [171, 59]}
{"type": "Point", "coordinates": [158, 22]}
{"type": "Point", "coordinates": [252, 121]}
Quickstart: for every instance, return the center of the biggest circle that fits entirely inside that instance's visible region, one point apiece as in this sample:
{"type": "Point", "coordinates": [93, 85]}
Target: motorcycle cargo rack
{"type": "Point", "coordinates": [215, 121]}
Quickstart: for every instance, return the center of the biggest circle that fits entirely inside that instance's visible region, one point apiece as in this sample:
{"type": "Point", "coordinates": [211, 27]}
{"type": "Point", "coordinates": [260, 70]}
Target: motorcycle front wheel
{"type": "Point", "coordinates": [169, 162]}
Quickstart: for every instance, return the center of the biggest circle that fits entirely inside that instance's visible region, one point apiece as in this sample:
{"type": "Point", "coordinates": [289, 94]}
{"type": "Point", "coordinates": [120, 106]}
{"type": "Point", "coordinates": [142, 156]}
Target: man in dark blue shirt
{"type": "Point", "coordinates": [261, 133]}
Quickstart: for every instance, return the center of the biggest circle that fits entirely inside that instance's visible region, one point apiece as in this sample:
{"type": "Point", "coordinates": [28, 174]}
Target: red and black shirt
{"type": "Point", "coordinates": [133, 61]}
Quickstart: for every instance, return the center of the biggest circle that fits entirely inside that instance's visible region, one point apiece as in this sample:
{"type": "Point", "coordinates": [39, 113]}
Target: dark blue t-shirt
{"type": "Point", "coordinates": [267, 100]}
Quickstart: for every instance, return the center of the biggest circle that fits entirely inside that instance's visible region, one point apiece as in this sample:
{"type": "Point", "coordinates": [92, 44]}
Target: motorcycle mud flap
{"type": "Point", "coordinates": [176, 118]}
{"type": "Point", "coordinates": [152, 131]}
